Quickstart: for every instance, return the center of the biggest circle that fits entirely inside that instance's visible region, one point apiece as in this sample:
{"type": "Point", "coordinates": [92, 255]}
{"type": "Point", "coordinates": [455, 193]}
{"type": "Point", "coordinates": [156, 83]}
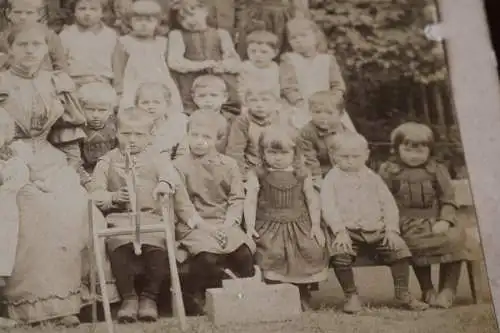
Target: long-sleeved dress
{"type": "Point", "coordinates": [53, 229]}
{"type": "Point", "coordinates": [138, 61]}
{"type": "Point", "coordinates": [14, 174]}
{"type": "Point", "coordinates": [301, 77]}
{"type": "Point", "coordinates": [216, 190]}
{"type": "Point", "coordinates": [426, 195]}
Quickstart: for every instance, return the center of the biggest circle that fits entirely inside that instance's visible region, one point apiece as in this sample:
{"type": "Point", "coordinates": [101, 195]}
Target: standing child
{"type": "Point", "coordinates": [214, 185]}
{"type": "Point", "coordinates": [14, 174]}
{"type": "Point", "coordinates": [98, 101]}
{"type": "Point", "coordinates": [155, 176]}
{"type": "Point", "coordinates": [282, 210]}
{"type": "Point", "coordinates": [273, 14]}
{"type": "Point", "coordinates": [361, 213]}
{"type": "Point", "coordinates": [209, 93]}
{"type": "Point", "coordinates": [326, 111]}
{"type": "Point", "coordinates": [264, 110]}
{"type": "Point", "coordinates": [426, 198]}
{"type": "Point", "coordinates": [260, 70]}
{"type": "Point", "coordinates": [309, 68]}
{"type": "Point", "coordinates": [169, 132]}
{"type": "Point", "coordinates": [89, 43]}
{"type": "Point", "coordinates": [30, 11]}
{"type": "Point", "coordinates": [197, 49]}
{"type": "Point", "coordinates": [140, 56]}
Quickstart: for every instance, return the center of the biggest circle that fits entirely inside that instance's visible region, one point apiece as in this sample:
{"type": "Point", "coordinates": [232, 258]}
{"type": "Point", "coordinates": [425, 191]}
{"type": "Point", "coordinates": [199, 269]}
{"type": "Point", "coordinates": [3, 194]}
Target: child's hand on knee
{"type": "Point", "coordinates": [391, 239]}
{"type": "Point", "coordinates": [440, 227]}
{"type": "Point", "coordinates": [343, 242]}
{"type": "Point", "coordinates": [121, 196]}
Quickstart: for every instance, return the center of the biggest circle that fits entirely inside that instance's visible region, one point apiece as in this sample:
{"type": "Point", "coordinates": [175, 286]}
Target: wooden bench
{"type": "Point", "coordinates": [465, 215]}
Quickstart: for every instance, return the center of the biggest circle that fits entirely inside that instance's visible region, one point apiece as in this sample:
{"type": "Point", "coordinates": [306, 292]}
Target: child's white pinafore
{"type": "Point", "coordinates": [15, 175]}
{"type": "Point", "coordinates": [146, 63]}
{"type": "Point", "coordinates": [313, 75]}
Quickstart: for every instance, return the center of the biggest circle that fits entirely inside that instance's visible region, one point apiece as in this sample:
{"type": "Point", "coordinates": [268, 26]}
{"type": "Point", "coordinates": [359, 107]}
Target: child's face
{"type": "Point", "coordinates": [278, 158]}
{"type": "Point", "coordinates": [350, 157]}
{"type": "Point", "coordinates": [153, 101]}
{"type": "Point", "coordinates": [96, 113]}
{"type": "Point", "coordinates": [209, 98]}
{"type": "Point", "coordinates": [261, 54]}
{"type": "Point", "coordinates": [121, 6]}
{"type": "Point", "coordinates": [24, 12]}
{"type": "Point", "coordinates": [136, 138]}
{"type": "Point", "coordinates": [414, 155]}
{"type": "Point", "coordinates": [88, 13]}
{"type": "Point", "coordinates": [202, 139]}
{"type": "Point", "coordinates": [302, 41]}
{"type": "Point", "coordinates": [261, 105]}
{"type": "Point", "coordinates": [144, 26]}
{"type": "Point", "coordinates": [324, 117]}
{"type": "Point", "coordinates": [29, 48]}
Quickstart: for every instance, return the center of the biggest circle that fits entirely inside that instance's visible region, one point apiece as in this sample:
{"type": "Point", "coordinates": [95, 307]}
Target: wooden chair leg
{"type": "Point", "coordinates": [102, 282]}
{"type": "Point", "coordinates": [91, 257]}
{"type": "Point", "coordinates": [475, 282]}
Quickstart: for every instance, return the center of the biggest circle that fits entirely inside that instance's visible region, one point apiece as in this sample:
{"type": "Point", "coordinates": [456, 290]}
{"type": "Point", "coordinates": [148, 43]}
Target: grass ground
{"type": "Point", "coordinates": [378, 317]}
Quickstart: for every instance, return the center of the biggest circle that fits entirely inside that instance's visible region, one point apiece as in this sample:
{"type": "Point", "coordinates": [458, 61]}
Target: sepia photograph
{"type": "Point", "coordinates": [234, 166]}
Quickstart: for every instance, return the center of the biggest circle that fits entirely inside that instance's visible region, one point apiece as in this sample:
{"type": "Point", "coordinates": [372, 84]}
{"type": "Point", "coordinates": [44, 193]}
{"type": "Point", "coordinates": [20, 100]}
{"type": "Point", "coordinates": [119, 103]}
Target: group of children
{"type": "Point", "coordinates": [260, 160]}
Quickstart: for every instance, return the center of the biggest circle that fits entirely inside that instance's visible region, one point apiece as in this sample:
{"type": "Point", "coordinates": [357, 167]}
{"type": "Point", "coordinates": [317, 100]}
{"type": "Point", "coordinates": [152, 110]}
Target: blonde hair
{"type": "Point", "coordinates": [99, 92]}
{"type": "Point", "coordinates": [412, 133]}
{"type": "Point", "coordinates": [149, 8]}
{"type": "Point", "coordinates": [148, 85]}
{"type": "Point", "coordinates": [208, 119]}
{"type": "Point", "coordinates": [134, 117]}
{"type": "Point", "coordinates": [255, 89]}
{"type": "Point", "coordinates": [204, 81]}
{"type": "Point", "coordinates": [351, 139]}
{"type": "Point", "coordinates": [301, 24]}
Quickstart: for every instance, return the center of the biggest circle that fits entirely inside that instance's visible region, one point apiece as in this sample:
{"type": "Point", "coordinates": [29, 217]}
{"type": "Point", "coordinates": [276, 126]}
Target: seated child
{"type": "Point", "coordinates": [169, 133]}
{"type": "Point", "coordinates": [426, 199]}
{"type": "Point", "coordinates": [326, 111]}
{"type": "Point", "coordinates": [89, 43]}
{"type": "Point", "coordinates": [30, 11]}
{"type": "Point", "coordinates": [360, 211]}
{"type": "Point", "coordinates": [214, 185]}
{"type": "Point", "coordinates": [140, 56]}
{"type": "Point", "coordinates": [282, 210]}
{"type": "Point", "coordinates": [309, 68]}
{"type": "Point", "coordinates": [198, 49]}
{"type": "Point", "coordinates": [98, 101]}
{"type": "Point", "coordinates": [209, 94]}
{"type": "Point", "coordinates": [155, 177]}
{"type": "Point", "coordinates": [260, 70]}
{"type": "Point", "coordinates": [264, 110]}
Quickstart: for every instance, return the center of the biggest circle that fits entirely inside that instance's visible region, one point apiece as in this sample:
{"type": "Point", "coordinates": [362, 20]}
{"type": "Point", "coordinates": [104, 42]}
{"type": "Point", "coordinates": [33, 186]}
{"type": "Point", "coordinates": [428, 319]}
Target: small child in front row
{"type": "Point", "coordinates": [14, 174]}
{"type": "Point", "coordinates": [326, 110]}
{"type": "Point", "coordinates": [214, 185]}
{"type": "Point", "coordinates": [98, 101]}
{"type": "Point", "coordinates": [426, 198]}
{"type": "Point", "coordinates": [199, 49]}
{"type": "Point", "coordinates": [155, 176]}
{"type": "Point", "coordinates": [169, 132]}
{"type": "Point", "coordinates": [264, 110]}
{"type": "Point", "coordinates": [363, 216]}
{"type": "Point", "coordinates": [282, 210]}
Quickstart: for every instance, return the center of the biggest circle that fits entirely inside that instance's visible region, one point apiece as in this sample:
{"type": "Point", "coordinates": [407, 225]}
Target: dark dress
{"type": "Point", "coordinates": [285, 251]}
{"type": "Point", "coordinates": [426, 195]}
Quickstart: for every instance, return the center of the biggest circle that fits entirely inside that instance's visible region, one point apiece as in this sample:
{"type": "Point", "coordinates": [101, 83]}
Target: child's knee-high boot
{"type": "Point", "coordinates": [449, 275]}
{"type": "Point", "coordinates": [423, 274]}
{"type": "Point", "coordinates": [342, 266]}
{"type": "Point", "coordinates": [305, 296]}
